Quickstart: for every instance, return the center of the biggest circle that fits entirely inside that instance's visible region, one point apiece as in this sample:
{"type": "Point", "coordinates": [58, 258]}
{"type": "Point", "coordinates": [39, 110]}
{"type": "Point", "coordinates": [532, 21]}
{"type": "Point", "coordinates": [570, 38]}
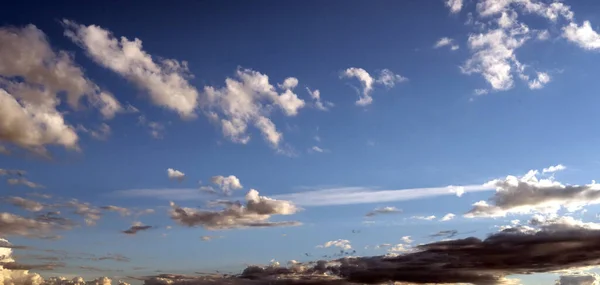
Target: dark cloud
{"type": "Point", "coordinates": [113, 257]}
{"type": "Point", "coordinates": [20, 266]}
{"type": "Point", "coordinates": [135, 229]}
{"type": "Point", "coordinates": [384, 210]}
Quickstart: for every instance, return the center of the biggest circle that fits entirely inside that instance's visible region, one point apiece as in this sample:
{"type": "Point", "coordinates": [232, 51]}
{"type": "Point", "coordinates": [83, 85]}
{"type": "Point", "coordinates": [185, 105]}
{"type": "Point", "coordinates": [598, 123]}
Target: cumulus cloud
{"type": "Point", "coordinates": [175, 174]}
{"type": "Point", "coordinates": [165, 80]}
{"type": "Point", "coordinates": [227, 183]}
{"type": "Point", "coordinates": [386, 78]}
{"type": "Point", "coordinates": [454, 5]}
{"type": "Point", "coordinates": [407, 239]}
{"type": "Point", "coordinates": [539, 82]}
{"type": "Point", "coordinates": [319, 104]}
{"type": "Point", "coordinates": [341, 243]}
{"type": "Point", "coordinates": [32, 76]}
{"type": "Point", "coordinates": [256, 213]}
{"type": "Point", "coordinates": [384, 210]}
{"type": "Point", "coordinates": [554, 168]}
{"type": "Point", "coordinates": [447, 217]}
{"type": "Point", "coordinates": [445, 41]}
{"type": "Point", "coordinates": [528, 194]}
{"type": "Point", "coordinates": [584, 36]}
{"type": "Point", "coordinates": [249, 99]}
{"type": "Point", "coordinates": [29, 205]}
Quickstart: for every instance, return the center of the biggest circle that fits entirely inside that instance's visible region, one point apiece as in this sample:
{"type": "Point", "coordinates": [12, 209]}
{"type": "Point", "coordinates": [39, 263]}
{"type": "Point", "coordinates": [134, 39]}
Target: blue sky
{"type": "Point", "coordinates": [413, 97]}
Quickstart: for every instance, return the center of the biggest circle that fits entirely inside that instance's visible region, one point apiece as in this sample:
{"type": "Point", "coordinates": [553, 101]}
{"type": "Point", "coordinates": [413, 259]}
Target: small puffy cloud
{"type": "Point", "coordinates": [528, 194]}
{"type": "Point", "coordinates": [425, 218]}
{"type": "Point", "coordinates": [227, 183]}
{"type": "Point", "coordinates": [289, 83]}
{"type": "Point", "coordinates": [447, 217]}
{"type": "Point", "coordinates": [32, 76]}
{"type": "Point", "coordinates": [554, 168]}
{"type": "Point", "coordinates": [122, 211]}
{"type": "Point", "coordinates": [29, 205]}
{"type": "Point", "coordinates": [23, 181]}
{"type": "Point", "coordinates": [319, 104]}
{"type": "Point", "coordinates": [407, 239]}
{"type": "Point", "coordinates": [454, 5]}
{"type": "Point", "coordinates": [539, 82]}
{"type": "Point", "coordinates": [398, 248]}
{"type": "Point", "coordinates": [102, 132]}
{"type": "Point", "coordinates": [341, 243]}
{"type": "Point", "coordinates": [445, 41]}
{"type": "Point", "coordinates": [386, 78]}
{"type": "Point", "coordinates": [165, 80]}
{"type": "Point", "coordinates": [256, 213]}
{"type": "Point", "coordinates": [90, 213]}
{"type": "Point", "coordinates": [584, 36]}
{"type": "Point", "coordinates": [175, 174]}
{"type": "Point", "coordinates": [249, 99]}
{"type": "Point", "coordinates": [384, 210]}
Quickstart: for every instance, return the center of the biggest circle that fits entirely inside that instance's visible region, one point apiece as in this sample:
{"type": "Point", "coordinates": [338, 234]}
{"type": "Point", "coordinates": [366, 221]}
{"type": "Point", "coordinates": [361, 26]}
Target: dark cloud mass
{"type": "Point", "coordinates": [135, 229]}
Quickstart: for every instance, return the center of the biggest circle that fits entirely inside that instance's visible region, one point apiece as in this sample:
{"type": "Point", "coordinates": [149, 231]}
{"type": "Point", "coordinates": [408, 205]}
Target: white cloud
{"type": "Point", "coordinates": [584, 36]}
{"type": "Point", "coordinates": [256, 213]}
{"type": "Point", "coordinates": [289, 83]}
{"type": "Point", "coordinates": [407, 239]}
{"type": "Point", "coordinates": [175, 174]}
{"type": "Point", "coordinates": [90, 213]}
{"type": "Point", "coordinates": [447, 217]}
{"type": "Point", "coordinates": [316, 96]}
{"type": "Point", "coordinates": [528, 194]}
{"type": "Point", "coordinates": [543, 35]}
{"type": "Point", "coordinates": [454, 5]}
{"type": "Point", "coordinates": [362, 195]}
{"type": "Point", "coordinates": [554, 168]}
{"type": "Point", "coordinates": [165, 81]}
{"type": "Point", "coordinates": [541, 80]}
{"type": "Point", "coordinates": [384, 210]}
{"type": "Point", "coordinates": [386, 78]}
{"type": "Point", "coordinates": [445, 41]}
{"type": "Point", "coordinates": [480, 92]}
{"type": "Point", "coordinates": [426, 218]}
{"type": "Point", "coordinates": [248, 99]}
{"type": "Point", "coordinates": [341, 243]}
{"type": "Point", "coordinates": [398, 248]}
{"type": "Point", "coordinates": [32, 76]}
{"type": "Point", "coordinates": [227, 183]}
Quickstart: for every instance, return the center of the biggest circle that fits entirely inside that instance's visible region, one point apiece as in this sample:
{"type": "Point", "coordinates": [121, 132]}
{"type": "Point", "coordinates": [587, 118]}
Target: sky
{"type": "Point", "coordinates": [341, 142]}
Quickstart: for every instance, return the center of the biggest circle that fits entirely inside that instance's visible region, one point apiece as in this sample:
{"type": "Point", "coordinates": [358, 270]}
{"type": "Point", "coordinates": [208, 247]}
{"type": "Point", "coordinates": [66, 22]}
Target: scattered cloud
{"type": "Point", "coordinates": [256, 213]}
{"type": "Point", "coordinates": [584, 36]}
{"type": "Point", "coordinates": [341, 243]}
{"type": "Point", "coordinates": [26, 204]}
{"type": "Point", "coordinates": [155, 129]}
{"type": "Point", "coordinates": [122, 211]}
{"type": "Point", "coordinates": [102, 132]}
{"type": "Point", "coordinates": [480, 92]}
{"type": "Point", "coordinates": [249, 99]}
{"type": "Point", "coordinates": [425, 218]}
{"type": "Point", "coordinates": [319, 104]}
{"type": "Point", "coordinates": [209, 238]}
{"type": "Point", "coordinates": [406, 239]}
{"type": "Point", "coordinates": [554, 168]}
{"type": "Point", "coordinates": [32, 76]}
{"type": "Point", "coordinates": [386, 78]}
{"type": "Point", "coordinates": [454, 5]}
{"type": "Point", "coordinates": [165, 81]}
{"type": "Point", "coordinates": [384, 210]}
{"type": "Point", "coordinates": [227, 183]}
{"type": "Point", "coordinates": [316, 149]}
{"type": "Point", "coordinates": [15, 225]}
{"type": "Point", "coordinates": [447, 217]}
{"type": "Point", "coordinates": [445, 41]}
{"type": "Point", "coordinates": [135, 228]}
{"type": "Point", "coordinates": [175, 174]}
{"type": "Point", "coordinates": [90, 213]}
{"type": "Point", "coordinates": [539, 82]}
{"type": "Point", "coordinates": [23, 181]}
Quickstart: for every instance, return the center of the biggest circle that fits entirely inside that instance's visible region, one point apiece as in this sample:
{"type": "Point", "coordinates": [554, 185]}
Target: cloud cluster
{"type": "Point", "coordinates": [249, 99]}
{"type": "Point", "coordinates": [386, 78]}
{"type": "Point", "coordinates": [40, 226]}
{"type": "Point", "coordinates": [530, 194]}
{"type": "Point", "coordinates": [164, 80]}
{"type": "Point", "coordinates": [256, 213]}
{"type": "Point", "coordinates": [31, 77]}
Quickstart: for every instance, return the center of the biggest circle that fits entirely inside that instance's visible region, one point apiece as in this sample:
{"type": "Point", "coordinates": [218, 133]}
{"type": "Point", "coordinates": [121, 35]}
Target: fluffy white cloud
{"type": "Point", "coordinates": [165, 81]}
{"type": "Point", "coordinates": [289, 83]}
{"type": "Point", "coordinates": [539, 82]}
{"type": "Point", "coordinates": [407, 239]}
{"type": "Point", "coordinates": [28, 105]}
{"type": "Point", "coordinates": [175, 174]}
{"type": "Point", "coordinates": [554, 168]}
{"type": "Point", "coordinates": [445, 41]}
{"type": "Point", "coordinates": [584, 36]}
{"type": "Point", "coordinates": [447, 217]}
{"type": "Point", "coordinates": [249, 99]}
{"type": "Point", "coordinates": [256, 213]}
{"type": "Point", "coordinates": [454, 5]}
{"type": "Point", "coordinates": [319, 104]}
{"type": "Point", "coordinates": [528, 194]}
{"type": "Point", "coordinates": [227, 183]}
{"type": "Point", "coordinates": [386, 78]}
{"type": "Point", "coordinates": [341, 243]}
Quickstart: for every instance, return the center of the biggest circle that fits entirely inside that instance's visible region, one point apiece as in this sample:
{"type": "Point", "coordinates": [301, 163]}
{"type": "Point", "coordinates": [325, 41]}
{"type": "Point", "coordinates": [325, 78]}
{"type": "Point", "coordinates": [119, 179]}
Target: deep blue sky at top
{"type": "Point", "coordinates": [426, 132]}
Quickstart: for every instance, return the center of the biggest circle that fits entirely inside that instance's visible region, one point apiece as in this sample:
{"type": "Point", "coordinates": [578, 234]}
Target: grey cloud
{"type": "Point", "coordinates": [579, 279]}
{"type": "Point", "coordinates": [136, 228]}
{"type": "Point", "coordinates": [256, 213]}
{"type": "Point", "coordinates": [29, 205]}
{"type": "Point", "coordinates": [384, 210]}
{"type": "Point", "coordinates": [114, 257]}
{"type": "Point", "coordinates": [23, 181]}
{"type": "Point", "coordinates": [90, 213]}
{"type": "Point", "coordinates": [15, 225]}
{"type": "Point", "coordinates": [122, 211]}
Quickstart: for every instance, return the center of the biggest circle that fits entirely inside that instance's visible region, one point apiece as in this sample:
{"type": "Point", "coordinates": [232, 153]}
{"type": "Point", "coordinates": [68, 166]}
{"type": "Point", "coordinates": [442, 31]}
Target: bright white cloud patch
{"type": "Point", "coordinates": [28, 105]}
{"type": "Point", "coordinates": [454, 5]}
{"type": "Point", "coordinates": [341, 243]}
{"type": "Point", "coordinates": [319, 104]}
{"type": "Point", "coordinates": [447, 217]}
{"type": "Point", "coordinates": [386, 78]}
{"type": "Point", "coordinates": [445, 41]}
{"type": "Point", "coordinates": [249, 99]}
{"type": "Point", "coordinates": [175, 174]}
{"type": "Point", "coordinates": [164, 80]}
{"type": "Point", "coordinates": [407, 239]}
{"type": "Point", "coordinates": [554, 168]}
{"type": "Point", "coordinates": [227, 183]}
{"type": "Point", "coordinates": [539, 82]}
{"type": "Point", "coordinates": [584, 36]}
